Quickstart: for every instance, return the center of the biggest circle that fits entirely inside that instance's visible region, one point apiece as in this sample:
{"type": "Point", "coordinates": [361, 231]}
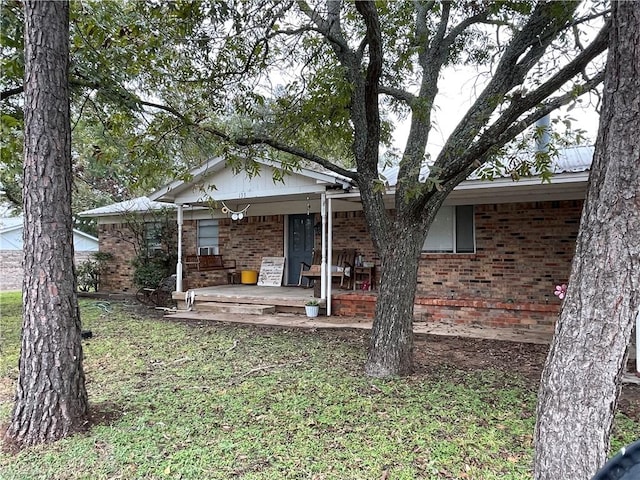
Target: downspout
{"type": "Point", "coordinates": [179, 264]}
{"type": "Point", "coordinates": [329, 255]}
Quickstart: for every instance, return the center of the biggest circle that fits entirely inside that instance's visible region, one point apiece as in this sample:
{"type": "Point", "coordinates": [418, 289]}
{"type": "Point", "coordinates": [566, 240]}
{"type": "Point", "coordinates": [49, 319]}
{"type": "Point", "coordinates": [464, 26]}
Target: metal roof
{"type": "Point", "coordinates": [569, 160]}
{"type": "Point", "coordinates": [135, 205]}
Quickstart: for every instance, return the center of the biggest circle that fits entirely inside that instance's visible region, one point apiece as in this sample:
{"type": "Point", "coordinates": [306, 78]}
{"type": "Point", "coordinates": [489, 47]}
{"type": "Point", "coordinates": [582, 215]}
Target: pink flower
{"type": "Point", "coordinates": [560, 291]}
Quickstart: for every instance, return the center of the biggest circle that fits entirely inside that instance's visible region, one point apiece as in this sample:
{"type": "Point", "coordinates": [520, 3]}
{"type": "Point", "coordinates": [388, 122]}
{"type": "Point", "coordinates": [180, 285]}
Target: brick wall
{"type": "Point", "coordinates": [350, 231]}
{"type": "Point", "coordinates": [246, 241]}
{"type": "Point", "coordinates": [469, 312]}
{"type": "Point", "coordinates": [118, 240]}
{"type": "Point", "coordinates": [522, 251]}
{"type": "Point", "coordinates": [11, 268]}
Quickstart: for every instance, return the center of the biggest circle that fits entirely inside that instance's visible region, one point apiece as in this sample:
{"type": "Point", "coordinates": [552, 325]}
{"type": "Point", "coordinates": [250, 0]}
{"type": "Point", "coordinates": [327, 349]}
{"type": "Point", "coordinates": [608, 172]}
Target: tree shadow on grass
{"type": "Point", "coordinates": [104, 413]}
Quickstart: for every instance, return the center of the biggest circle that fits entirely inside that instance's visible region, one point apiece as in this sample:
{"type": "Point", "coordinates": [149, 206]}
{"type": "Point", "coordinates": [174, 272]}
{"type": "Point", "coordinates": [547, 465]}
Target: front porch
{"type": "Point", "coordinates": [462, 317]}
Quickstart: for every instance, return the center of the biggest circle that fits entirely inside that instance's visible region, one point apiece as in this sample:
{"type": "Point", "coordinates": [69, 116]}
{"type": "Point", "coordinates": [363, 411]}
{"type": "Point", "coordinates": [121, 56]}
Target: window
{"type": "Point", "coordinates": [208, 235]}
{"type": "Point", "coordinates": [452, 231]}
{"type": "Point", "coordinates": [153, 236]}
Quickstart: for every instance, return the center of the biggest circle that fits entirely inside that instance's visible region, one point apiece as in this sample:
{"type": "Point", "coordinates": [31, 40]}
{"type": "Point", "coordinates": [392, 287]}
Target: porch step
{"type": "Point", "coordinates": [240, 308]}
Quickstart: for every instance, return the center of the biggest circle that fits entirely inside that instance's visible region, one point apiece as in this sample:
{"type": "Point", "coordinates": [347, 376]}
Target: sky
{"type": "Point", "coordinates": [455, 96]}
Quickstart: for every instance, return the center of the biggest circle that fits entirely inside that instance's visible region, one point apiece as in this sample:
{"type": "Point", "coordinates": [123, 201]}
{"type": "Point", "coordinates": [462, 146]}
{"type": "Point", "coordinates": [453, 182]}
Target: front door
{"type": "Point", "coordinates": [300, 245]}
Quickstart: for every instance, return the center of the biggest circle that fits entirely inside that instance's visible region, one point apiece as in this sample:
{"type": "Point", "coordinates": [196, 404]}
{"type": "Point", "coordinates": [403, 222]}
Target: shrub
{"type": "Point", "coordinates": [88, 272]}
{"type": "Point", "coordinates": [149, 270]}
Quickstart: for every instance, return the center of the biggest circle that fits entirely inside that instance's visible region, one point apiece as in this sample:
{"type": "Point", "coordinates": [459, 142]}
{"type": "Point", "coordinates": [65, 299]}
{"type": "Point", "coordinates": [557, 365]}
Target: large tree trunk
{"type": "Point", "coordinates": [391, 343]}
{"type": "Point", "coordinates": [581, 379]}
{"type": "Point", "coordinates": [51, 399]}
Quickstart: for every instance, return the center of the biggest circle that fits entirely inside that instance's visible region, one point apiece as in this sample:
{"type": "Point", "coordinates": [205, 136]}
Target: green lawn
{"type": "Point", "coordinates": [203, 401]}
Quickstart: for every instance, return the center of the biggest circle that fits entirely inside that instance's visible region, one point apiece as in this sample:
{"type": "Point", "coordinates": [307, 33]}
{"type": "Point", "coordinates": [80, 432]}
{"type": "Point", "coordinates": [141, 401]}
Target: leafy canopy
{"type": "Point", "coordinates": [160, 86]}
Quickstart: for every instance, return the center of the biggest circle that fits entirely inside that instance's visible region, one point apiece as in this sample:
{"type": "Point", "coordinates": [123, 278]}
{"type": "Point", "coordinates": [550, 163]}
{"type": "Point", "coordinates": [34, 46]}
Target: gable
{"type": "Point", "coordinates": [223, 184]}
{"type": "Point", "coordinates": [11, 239]}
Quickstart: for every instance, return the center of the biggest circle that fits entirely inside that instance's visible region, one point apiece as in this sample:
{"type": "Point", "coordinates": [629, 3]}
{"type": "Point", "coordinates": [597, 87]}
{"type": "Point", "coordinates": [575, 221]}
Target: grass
{"type": "Point", "coordinates": [211, 401]}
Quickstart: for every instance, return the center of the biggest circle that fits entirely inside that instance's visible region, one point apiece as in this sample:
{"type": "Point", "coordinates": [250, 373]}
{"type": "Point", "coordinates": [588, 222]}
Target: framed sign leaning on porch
{"type": "Point", "coordinates": [271, 271]}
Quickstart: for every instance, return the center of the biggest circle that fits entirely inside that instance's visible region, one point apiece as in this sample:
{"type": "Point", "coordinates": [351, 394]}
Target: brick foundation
{"type": "Point", "coordinates": [471, 312]}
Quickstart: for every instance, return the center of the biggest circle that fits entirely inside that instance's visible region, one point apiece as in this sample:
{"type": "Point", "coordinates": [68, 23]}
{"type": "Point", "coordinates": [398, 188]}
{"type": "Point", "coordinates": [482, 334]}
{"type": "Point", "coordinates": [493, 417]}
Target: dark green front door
{"type": "Point", "coordinates": [300, 244]}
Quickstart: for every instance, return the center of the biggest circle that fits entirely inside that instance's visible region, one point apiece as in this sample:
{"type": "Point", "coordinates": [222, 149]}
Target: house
{"type": "Point", "coordinates": [493, 256]}
{"type": "Point", "coordinates": [11, 250]}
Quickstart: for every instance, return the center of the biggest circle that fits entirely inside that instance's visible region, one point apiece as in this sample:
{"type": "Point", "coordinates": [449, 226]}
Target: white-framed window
{"type": "Point", "coordinates": [208, 237]}
{"type": "Point", "coordinates": [452, 231]}
{"type": "Point", "coordinates": [153, 236]}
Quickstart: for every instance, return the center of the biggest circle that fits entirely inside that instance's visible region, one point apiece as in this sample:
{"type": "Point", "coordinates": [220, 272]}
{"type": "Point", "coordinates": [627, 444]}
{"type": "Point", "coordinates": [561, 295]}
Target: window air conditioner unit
{"type": "Point", "coordinates": [208, 251]}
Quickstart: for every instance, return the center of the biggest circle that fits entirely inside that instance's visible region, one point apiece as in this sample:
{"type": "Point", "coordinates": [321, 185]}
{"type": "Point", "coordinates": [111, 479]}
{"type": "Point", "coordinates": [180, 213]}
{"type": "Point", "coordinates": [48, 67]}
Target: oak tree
{"type": "Point", "coordinates": [358, 62]}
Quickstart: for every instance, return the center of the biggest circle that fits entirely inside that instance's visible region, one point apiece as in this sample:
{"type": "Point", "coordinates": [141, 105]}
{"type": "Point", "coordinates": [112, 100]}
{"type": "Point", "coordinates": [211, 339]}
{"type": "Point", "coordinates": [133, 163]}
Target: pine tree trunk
{"type": "Point", "coordinates": [581, 379]}
{"type": "Point", "coordinates": [391, 343]}
{"type": "Point", "coordinates": [51, 399]}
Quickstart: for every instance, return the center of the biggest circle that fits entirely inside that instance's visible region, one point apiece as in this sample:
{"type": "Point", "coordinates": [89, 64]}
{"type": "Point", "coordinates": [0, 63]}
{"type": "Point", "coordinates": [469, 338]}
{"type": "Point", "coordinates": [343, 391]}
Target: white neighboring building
{"type": "Point", "coordinates": [11, 251]}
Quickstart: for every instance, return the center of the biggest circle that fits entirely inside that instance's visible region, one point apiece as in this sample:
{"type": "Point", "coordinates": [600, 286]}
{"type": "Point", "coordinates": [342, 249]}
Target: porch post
{"type": "Point", "coordinates": [323, 248]}
{"type": "Point", "coordinates": [329, 255]}
{"type": "Point", "coordinates": [179, 264]}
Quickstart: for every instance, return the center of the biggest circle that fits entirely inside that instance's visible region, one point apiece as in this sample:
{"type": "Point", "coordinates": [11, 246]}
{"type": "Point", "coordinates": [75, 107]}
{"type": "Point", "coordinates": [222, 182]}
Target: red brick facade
{"type": "Point", "coordinates": [522, 251]}
{"type": "Point", "coordinates": [117, 239]}
{"type": "Point", "coordinates": [461, 311]}
{"type": "Point", "coordinates": [245, 241]}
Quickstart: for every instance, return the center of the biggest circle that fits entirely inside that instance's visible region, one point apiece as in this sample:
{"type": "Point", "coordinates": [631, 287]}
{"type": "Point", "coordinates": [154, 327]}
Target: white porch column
{"type": "Point", "coordinates": [179, 264]}
{"type": "Point", "coordinates": [329, 254]}
{"type": "Point", "coordinates": [323, 251]}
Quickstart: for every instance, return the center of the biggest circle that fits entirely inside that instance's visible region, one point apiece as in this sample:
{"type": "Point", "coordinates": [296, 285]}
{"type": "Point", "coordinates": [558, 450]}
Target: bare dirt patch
{"type": "Point", "coordinates": [523, 359]}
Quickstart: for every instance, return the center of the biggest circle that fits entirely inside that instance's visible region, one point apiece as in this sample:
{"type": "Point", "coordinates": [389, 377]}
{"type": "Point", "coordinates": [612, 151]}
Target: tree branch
{"type": "Point", "coordinates": [432, 49]}
{"type": "Point", "coordinates": [374, 70]}
{"type": "Point", "coordinates": [329, 28]}
{"type": "Point", "coordinates": [11, 92]}
{"type": "Point", "coordinates": [503, 124]}
{"type": "Point", "coordinates": [509, 73]}
{"type": "Point", "coordinates": [253, 140]}
{"type": "Point", "coordinates": [284, 147]}
{"type": "Point", "coordinates": [549, 106]}
{"type": "Point", "coordinates": [398, 94]}
{"type": "Point", "coordinates": [481, 152]}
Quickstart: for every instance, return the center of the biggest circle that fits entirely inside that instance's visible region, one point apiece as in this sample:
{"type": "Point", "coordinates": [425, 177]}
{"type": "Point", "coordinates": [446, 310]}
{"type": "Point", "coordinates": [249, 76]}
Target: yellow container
{"type": "Point", "coordinates": [248, 277]}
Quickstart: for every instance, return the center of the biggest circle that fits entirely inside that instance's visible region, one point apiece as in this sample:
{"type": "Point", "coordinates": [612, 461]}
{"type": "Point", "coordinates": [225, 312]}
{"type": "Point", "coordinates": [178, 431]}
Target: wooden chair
{"type": "Point", "coordinates": [312, 270]}
{"type": "Point", "coordinates": [343, 264]}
